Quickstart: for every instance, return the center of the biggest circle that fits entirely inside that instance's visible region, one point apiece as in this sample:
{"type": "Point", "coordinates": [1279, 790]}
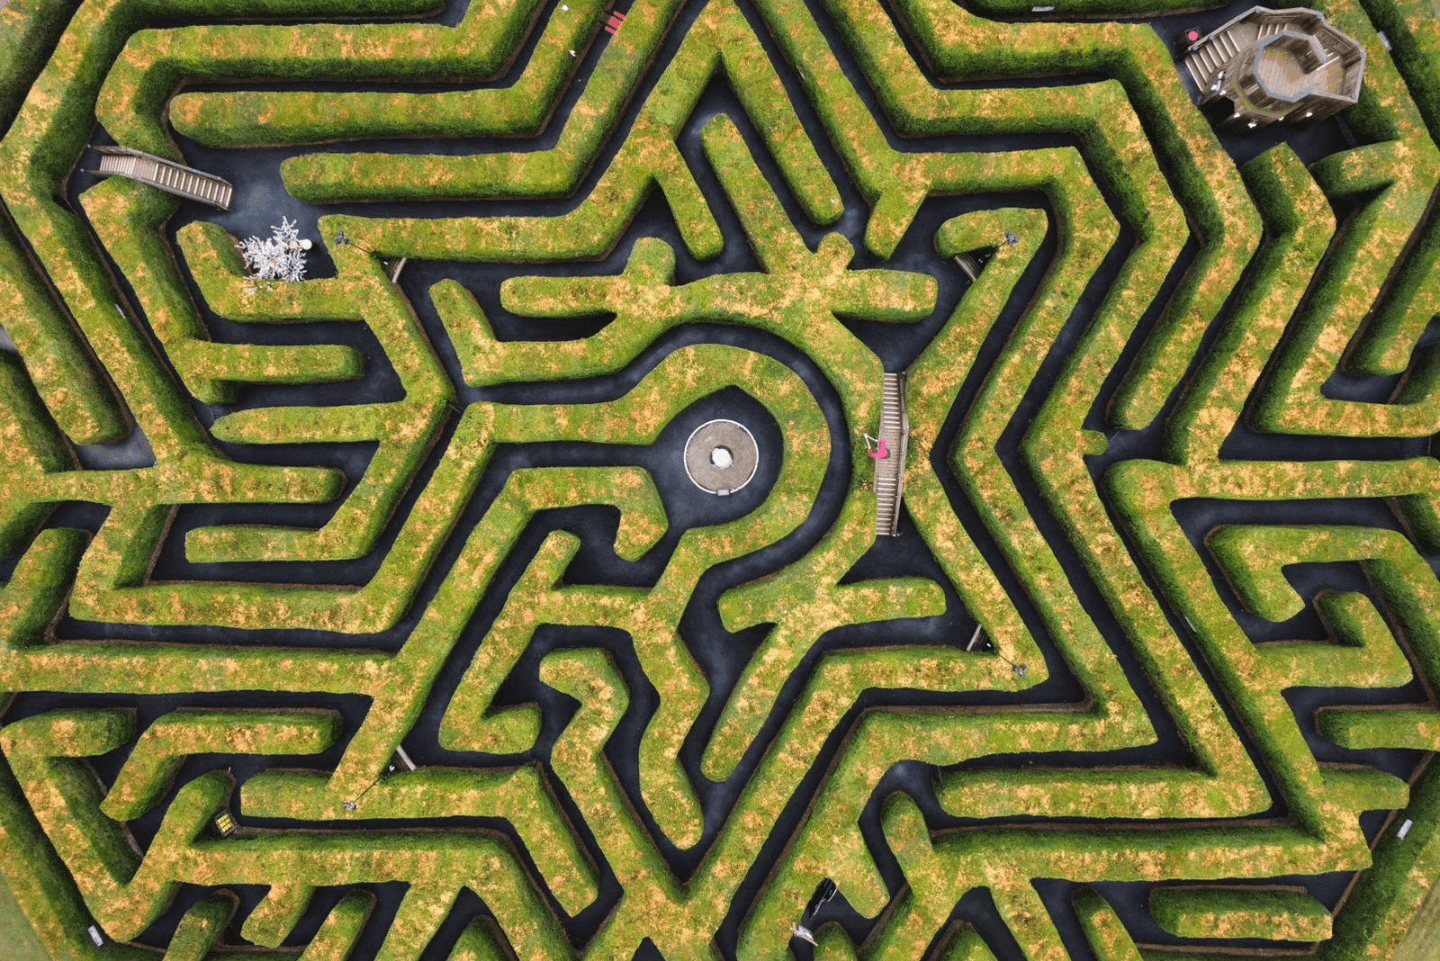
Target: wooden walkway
{"type": "Point", "coordinates": [165, 175]}
{"type": "Point", "coordinates": [890, 470]}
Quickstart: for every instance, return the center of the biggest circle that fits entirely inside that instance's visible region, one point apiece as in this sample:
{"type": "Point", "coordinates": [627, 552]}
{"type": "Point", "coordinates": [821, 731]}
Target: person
{"type": "Point", "coordinates": [879, 451]}
{"type": "Point", "coordinates": [823, 892]}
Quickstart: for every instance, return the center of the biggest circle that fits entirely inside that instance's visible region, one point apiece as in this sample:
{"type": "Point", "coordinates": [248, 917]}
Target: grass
{"type": "Point", "coordinates": [15, 932]}
{"type": "Point", "coordinates": [1422, 942]}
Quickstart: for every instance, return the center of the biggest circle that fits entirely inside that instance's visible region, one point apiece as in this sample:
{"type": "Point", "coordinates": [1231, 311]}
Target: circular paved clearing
{"type": "Point", "coordinates": [721, 456]}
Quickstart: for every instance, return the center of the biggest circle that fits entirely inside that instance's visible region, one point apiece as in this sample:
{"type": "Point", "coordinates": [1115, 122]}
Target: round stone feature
{"type": "Point", "coordinates": [721, 456]}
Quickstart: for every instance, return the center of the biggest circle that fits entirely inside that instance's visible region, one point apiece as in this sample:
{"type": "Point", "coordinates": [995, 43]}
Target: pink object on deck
{"type": "Point", "coordinates": [880, 453]}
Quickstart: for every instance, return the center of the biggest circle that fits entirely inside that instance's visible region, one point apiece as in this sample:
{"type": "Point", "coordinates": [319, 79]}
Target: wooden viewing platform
{"type": "Point", "coordinates": [1277, 65]}
{"type": "Point", "coordinates": [165, 175]}
{"type": "Point", "coordinates": [890, 469]}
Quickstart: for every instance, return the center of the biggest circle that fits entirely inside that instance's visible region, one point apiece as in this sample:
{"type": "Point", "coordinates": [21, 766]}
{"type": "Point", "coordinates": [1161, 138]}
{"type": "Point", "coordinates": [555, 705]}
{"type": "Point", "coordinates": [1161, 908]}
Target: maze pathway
{"type": "Point", "coordinates": [414, 642]}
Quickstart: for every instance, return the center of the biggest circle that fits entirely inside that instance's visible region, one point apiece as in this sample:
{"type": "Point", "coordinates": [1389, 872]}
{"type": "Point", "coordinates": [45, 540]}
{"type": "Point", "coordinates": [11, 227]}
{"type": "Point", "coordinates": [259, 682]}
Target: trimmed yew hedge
{"type": "Point", "coordinates": [35, 448]}
{"type": "Point", "coordinates": [39, 150]}
{"type": "Point", "coordinates": [1273, 915]}
{"type": "Point", "coordinates": [1379, 910]}
{"type": "Point", "coordinates": [154, 64]}
{"type": "Point", "coordinates": [1414, 35]}
{"type": "Point", "coordinates": [1354, 272]}
{"type": "Point", "coordinates": [339, 177]}
{"type": "Point", "coordinates": [48, 895]}
{"type": "Point", "coordinates": [1196, 169]}
{"type": "Point", "coordinates": [43, 749]}
{"type": "Point", "coordinates": [155, 760]}
{"type": "Point", "coordinates": [1299, 226]}
{"type": "Point", "coordinates": [480, 46]}
{"type": "Point", "coordinates": [1064, 9]}
{"type": "Point", "coordinates": [31, 28]}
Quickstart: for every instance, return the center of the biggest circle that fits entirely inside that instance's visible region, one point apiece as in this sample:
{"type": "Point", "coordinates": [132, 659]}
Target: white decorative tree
{"type": "Point", "coordinates": [280, 257]}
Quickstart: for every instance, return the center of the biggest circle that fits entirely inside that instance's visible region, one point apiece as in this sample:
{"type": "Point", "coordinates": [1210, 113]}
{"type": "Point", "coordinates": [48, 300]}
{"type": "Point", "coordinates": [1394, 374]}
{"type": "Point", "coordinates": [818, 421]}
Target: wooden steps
{"type": "Point", "coordinates": [165, 175]}
{"type": "Point", "coordinates": [890, 470]}
{"type": "Point", "coordinates": [1204, 64]}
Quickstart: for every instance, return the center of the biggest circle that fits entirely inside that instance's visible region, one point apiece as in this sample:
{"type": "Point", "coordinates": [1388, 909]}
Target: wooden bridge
{"type": "Point", "coordinates": [890, 469]}
{"type": "Point", "coordinates": [165, 175]}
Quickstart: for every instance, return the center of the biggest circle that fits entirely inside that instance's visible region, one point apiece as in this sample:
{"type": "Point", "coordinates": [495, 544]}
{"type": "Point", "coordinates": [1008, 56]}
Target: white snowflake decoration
{"type": "Point", "coordinates": [280, 257]}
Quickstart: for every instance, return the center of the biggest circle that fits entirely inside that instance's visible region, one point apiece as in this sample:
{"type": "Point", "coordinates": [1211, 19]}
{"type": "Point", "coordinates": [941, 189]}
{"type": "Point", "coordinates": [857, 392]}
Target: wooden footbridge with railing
{"type": "Point", "coordinates": [890, 469]}
{"type": "Point", "coordinates": [165, 175]}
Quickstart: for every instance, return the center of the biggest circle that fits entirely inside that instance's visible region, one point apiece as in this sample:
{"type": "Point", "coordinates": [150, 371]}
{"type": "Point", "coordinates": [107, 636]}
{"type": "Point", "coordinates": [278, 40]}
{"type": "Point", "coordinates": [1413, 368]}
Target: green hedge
{"type": "Point", "coordinates": [1416, 729]}
{"type": "Point", "coordinates": [405, 429]}
{"type": "Point", "coordinates": [154, 63]}
{"type": "Point", "coordinates": [42, 885]}
{"type": "Point", "coordinates": [38, 585]}
{"type": "Point", "coordinates": [1385, 344]}
{"type": "Point", "coordinates": [1065, 9]}
{"type": "Point", "coordinates": [111, 588]}
{"type": "Point", "coordinates": [1053, 449]}
{"type": "Point", "coordinates": [479, 46]}
{"type": "Point", "coordinates": [1354, 273]}
{"type": "Point", "coordinates": [646, 303]}
{"type": "Point", "coordinates": [957, 44]}
{"type": "Point", "coordinates": [1013, 857]}
{"type": "Point", "coordinates": [65, 794]}
{"type": "Point", "coordinates": [337, 177]}
{"type": "Point", "coordinates": [58, 360]}
{"type": "Point", "coordinates": [1252, 678]}
{"type": "Point", "coordinates": [1299, 226]}
{"type": "Point", "coordinates": [43, 143]}
{"type": "Point", "coordinates": [1144, 493]}
{"type": "Point", "coordinates": [200, 929]}
{"type": "Point", "coordinates": [518, 794]}
{"type": "Point", "coordinates": [155, 760]}
{"type": "Point", "coordinates": [1377, 915]}
{"type": "Point", "coordinates": [1272, 915]}
{"type": "Point", "coordinates": [130, 218]}
{"type": "Point", "coordinates": [1344, 320]}
{"type": "Point", "coordinates": [471, 722]}
{"type": "Point", "coordinates": [35, 448]}
{"type": "Point", "coordinates": [1104, 931]}
{"type": "Point", "coordinates": [32, 27]}
{"type": "Point", "coordinates": [647, 157]}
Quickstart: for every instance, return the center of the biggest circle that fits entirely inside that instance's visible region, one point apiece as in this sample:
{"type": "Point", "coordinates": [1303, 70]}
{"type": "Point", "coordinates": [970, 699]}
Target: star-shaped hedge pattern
{"type": "Point", "coordinates": [398, 567]}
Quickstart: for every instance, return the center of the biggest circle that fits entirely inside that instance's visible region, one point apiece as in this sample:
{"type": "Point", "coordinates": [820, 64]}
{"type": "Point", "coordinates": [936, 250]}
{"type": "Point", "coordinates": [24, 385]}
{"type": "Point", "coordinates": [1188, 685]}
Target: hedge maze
{"type": "Point", "coordinates": [399, 566]}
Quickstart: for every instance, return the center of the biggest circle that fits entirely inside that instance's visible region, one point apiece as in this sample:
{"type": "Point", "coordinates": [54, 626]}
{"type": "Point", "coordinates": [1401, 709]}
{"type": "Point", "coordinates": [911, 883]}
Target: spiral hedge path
{"type": "Point", "coordinates": [1150, 672]}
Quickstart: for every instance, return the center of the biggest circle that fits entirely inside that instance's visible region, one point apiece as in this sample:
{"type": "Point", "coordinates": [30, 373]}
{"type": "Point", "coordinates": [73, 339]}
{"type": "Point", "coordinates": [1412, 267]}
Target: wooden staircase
{"type": "Point", "coordinates": [1210, 59]}
{"type": "Point", "coordinates": [165, 175]}
{"type": "Point", "coordinates": [890, 470]}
